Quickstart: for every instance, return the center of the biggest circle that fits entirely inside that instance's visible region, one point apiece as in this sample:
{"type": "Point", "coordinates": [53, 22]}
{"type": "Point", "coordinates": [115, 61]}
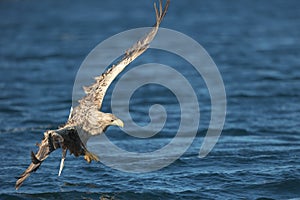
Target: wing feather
{"type": "Point", "coordinates": [48, 144]}
{"type": "Point", "coordinates": [96, 92]}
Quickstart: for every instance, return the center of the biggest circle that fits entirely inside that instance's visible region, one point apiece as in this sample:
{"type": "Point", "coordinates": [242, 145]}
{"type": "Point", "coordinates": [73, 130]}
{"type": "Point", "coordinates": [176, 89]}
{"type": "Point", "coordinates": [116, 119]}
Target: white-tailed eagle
{"type": "Point", "coordinates": [86, 119]}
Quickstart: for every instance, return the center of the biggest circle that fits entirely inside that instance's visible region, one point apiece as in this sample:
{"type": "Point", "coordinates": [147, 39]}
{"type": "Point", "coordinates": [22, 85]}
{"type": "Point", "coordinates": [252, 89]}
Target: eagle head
{"type": "Point", "coordinates": [111, 120]}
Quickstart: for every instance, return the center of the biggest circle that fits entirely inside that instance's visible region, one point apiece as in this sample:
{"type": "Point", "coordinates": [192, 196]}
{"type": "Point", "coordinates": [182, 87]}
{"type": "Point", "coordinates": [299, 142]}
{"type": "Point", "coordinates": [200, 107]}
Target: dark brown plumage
{"type": "Point", "coordinates": [85, 120]}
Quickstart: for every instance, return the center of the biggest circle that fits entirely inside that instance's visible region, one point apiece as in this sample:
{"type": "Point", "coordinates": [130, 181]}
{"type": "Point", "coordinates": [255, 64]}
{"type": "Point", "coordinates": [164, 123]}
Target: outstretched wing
{"type": "Point", "coordinates": [65, 138]}
{"type": "Point", "coordinates": [96, 92]}
{"type": "Point", "coordinates": [48, 144]}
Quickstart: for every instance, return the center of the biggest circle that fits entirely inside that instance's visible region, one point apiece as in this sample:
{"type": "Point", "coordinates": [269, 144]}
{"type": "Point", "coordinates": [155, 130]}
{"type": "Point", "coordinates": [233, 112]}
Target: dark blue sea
{"type": "Point", "coordinates": [256, 46]}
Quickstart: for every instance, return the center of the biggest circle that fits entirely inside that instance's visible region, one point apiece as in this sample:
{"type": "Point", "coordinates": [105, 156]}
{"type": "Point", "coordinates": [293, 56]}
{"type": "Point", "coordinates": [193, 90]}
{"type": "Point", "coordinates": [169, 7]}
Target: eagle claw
{"type": "Point", "coordinates": [91, 156]}
{"type": "Point", "coordinates": [88, 156]}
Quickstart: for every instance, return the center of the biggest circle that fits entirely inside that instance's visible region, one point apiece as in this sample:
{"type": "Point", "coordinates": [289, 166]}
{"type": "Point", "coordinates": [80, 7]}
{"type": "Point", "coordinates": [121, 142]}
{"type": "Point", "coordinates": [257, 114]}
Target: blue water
{"type": "Point", "coordinates": [256, 46]}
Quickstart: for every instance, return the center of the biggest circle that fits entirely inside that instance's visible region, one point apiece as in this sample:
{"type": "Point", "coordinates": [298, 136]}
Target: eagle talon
{"type": "Point", "coordinates": [91, 156]}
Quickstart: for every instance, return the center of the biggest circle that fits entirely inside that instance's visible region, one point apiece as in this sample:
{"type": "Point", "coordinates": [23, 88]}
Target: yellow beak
{"type": "Point", "coordinates": [118, 122]}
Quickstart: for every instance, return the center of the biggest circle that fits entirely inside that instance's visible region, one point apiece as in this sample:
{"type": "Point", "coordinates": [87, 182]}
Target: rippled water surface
{"type": "Point", "coordinates": [256, 46]}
